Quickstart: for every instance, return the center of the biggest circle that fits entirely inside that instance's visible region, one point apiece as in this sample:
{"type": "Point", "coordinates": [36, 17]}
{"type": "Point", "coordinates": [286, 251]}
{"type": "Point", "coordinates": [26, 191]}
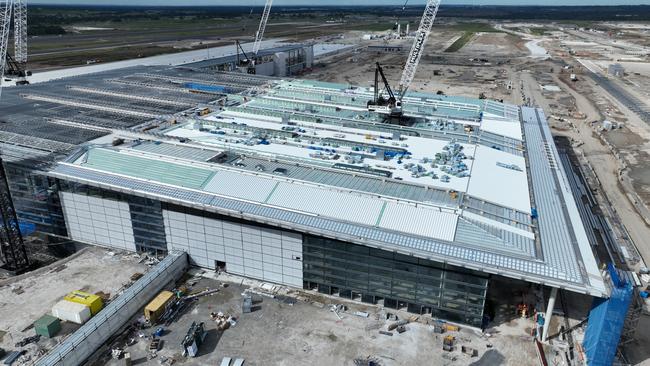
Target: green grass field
{"type": "Point", "coordinates": [460, 42]}
{"type": "Point", "coordinates": [539, 31]}
{"type": "Point", "coordinates": [475, 27]}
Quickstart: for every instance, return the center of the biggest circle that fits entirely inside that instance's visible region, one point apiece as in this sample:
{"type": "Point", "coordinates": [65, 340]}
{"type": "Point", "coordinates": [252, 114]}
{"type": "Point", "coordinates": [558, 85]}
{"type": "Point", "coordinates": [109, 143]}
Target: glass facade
{"type": "Point", "coordinates": [35, 199]}
{"type": "Point", "coordinates": [334, 267]}
{"type": "Point", "coordinates": [396, 280]}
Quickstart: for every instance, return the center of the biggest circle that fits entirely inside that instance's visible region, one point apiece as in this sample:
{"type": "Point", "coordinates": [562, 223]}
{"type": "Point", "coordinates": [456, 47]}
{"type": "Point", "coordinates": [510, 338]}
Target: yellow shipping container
{"type": "Point", "coordinates": [93, 302]}
{"type": "Point", "coordinates": [156, 308]}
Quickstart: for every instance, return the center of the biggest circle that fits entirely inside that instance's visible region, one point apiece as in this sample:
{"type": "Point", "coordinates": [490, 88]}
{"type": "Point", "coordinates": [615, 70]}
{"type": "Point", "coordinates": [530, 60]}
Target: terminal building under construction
{"type": "Point", "coordinates": [295, 182]}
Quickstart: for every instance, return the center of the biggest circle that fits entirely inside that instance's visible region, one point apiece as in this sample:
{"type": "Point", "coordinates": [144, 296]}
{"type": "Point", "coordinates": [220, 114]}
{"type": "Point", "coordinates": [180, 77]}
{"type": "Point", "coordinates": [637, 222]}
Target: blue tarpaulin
{"type": "Point", "coordinates": [26, 228]}
{"type": "Point", "coordinates": [218, 89]}
{"type": "Point", "coordinates": [606, 321]}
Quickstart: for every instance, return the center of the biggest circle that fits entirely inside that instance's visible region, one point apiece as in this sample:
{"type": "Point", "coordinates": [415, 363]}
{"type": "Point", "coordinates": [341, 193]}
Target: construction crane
{"type": "Point", "coordinates": [13, 68]}
{"type": "Point", "coordinates": [393, 106]}
{"type": "Point", "coordinates": [5, 24]}
{"type": "Point", "coordinates": [380, 104]}
{"type": "Point", "coordinates": [20, 31]}
{"type": "Point", "coordinates": [248, 64]}
{"type": "Point", "coordinates": [260, 32]}
{"type": "Point", "coordinates": [12, 248]}
{"type": "Point", "coordinates": [245, 63]}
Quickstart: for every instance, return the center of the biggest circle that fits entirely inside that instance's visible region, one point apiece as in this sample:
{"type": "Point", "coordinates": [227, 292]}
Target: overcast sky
{"type": "Point", "coordinates": [339, 2]}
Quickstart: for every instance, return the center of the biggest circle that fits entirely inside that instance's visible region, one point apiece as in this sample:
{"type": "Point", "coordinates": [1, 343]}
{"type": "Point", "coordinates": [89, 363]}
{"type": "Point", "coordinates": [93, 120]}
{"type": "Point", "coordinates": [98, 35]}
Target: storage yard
{"type": "Point", "coordinates": [27, 298]}
{"type": "Point", "coordinates": [271, 203]}
{"type": "Point", "coordinates": [306, 329]}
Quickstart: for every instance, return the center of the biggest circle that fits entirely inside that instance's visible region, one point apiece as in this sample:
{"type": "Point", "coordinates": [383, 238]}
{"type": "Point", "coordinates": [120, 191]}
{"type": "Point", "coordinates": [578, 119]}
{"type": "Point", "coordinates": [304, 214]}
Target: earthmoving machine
{"type": "Point", "coordinates": [392, 106]}
{"type": "Point", "coordinates": [247, 64]}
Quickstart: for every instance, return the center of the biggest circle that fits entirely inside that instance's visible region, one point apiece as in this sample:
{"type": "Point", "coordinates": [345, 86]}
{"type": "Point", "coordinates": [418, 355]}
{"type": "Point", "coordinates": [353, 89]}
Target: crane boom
{"type": "Point", "coordinates": [260, 32]}
{"type": "Point", "coordinates": [5, 24]}
{"type": "Point", "coordinates": [20, 31]}
{"type": "Point", "coordinates": [418, 46]}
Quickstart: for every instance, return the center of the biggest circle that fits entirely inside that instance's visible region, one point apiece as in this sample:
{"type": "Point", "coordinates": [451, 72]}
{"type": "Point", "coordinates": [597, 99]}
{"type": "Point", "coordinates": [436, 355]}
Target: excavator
{"type": "Point", "coordinates": [392, 106]}
{"type": "Point", "coordinates": [245, 63]}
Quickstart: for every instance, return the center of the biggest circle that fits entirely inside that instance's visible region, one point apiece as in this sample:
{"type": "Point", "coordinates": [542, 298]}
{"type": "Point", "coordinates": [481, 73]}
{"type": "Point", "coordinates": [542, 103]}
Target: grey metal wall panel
{"type": "Point", "coordinates": [98, 221]}
{"type": "Point", "coordinates": [248, 250]}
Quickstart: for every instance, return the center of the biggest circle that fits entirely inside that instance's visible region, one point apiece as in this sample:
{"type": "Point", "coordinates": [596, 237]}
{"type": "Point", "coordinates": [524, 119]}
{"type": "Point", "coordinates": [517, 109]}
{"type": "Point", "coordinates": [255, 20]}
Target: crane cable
{"type": "Point", "coordinates": [401, 14]}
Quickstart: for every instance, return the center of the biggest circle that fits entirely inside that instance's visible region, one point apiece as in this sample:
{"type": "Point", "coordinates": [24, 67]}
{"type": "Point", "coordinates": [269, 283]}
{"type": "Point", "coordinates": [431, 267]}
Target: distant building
{"type": "Point", "coordinates": [279, 61]}
{"type": "Point", "coordinates": [616, 70]}
{"type": "Point", "coordinates": [386, 49]}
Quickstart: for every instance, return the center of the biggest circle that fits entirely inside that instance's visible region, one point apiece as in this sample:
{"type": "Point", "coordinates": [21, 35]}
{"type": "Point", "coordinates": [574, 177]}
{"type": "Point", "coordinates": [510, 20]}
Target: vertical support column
{"type": "Point", "coordinates": [12, 248]}
{"type": "Point", "coordinates": [5, 23]}
{"type": "Point", "coordinates": [549, 313]}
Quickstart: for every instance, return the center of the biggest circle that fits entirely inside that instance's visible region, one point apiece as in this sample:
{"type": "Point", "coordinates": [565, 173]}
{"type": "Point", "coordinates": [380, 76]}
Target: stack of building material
{"type": "Point", "coordinates": [47, 326]}
{"type": "Point", "coordinates": [71, 312]}
{"type": "Point", "coordinates": [193, 340]}
{"type": "Point", "coordinates": [93, 302]}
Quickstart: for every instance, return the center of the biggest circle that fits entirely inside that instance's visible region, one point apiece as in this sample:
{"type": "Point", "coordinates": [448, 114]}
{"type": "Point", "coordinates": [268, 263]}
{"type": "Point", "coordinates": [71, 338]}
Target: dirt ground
{"type": "Point", "coordinates": [25, 299]}
{"type": "Point", "coordinates": [493, 44]}
{"type": "Point", "coordinates": [308, 332]}
{"type": "Point", "coordinates": [452, 74]}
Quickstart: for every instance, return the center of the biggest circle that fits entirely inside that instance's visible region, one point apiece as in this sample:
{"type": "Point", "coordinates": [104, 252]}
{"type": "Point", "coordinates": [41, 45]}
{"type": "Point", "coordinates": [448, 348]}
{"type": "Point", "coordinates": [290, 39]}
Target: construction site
{"type": "Point", "coordinates": [365, 198]}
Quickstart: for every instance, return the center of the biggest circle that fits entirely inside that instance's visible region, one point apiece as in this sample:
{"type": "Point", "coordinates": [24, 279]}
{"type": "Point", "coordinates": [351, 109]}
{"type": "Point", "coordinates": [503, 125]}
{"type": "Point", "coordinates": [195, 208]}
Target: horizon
{"type": "Point", "coordinates": [334, 3]}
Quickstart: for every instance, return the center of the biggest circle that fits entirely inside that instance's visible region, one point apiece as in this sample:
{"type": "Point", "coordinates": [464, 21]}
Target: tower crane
{"type": "Point", "coordinates": [12, 248]}
{"type": "Point", "coordinates": [5, 24]}
{"type": "Point", "coordinates": [20, 31]}
{"type": "Point", "coordinates": [249, 63]}
{"type": "Point", "coordinates": [260, 31]}
{"type": "Point", "coordinates": [13, 68]}
{"type": "Point", "coordinates": [392, 106]}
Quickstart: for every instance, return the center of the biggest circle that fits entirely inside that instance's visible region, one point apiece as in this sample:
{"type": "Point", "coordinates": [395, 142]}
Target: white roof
{"type": "Point", "coordinates": [505, 128]}
{"type": "Point", "coordinates": [499, 185]}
